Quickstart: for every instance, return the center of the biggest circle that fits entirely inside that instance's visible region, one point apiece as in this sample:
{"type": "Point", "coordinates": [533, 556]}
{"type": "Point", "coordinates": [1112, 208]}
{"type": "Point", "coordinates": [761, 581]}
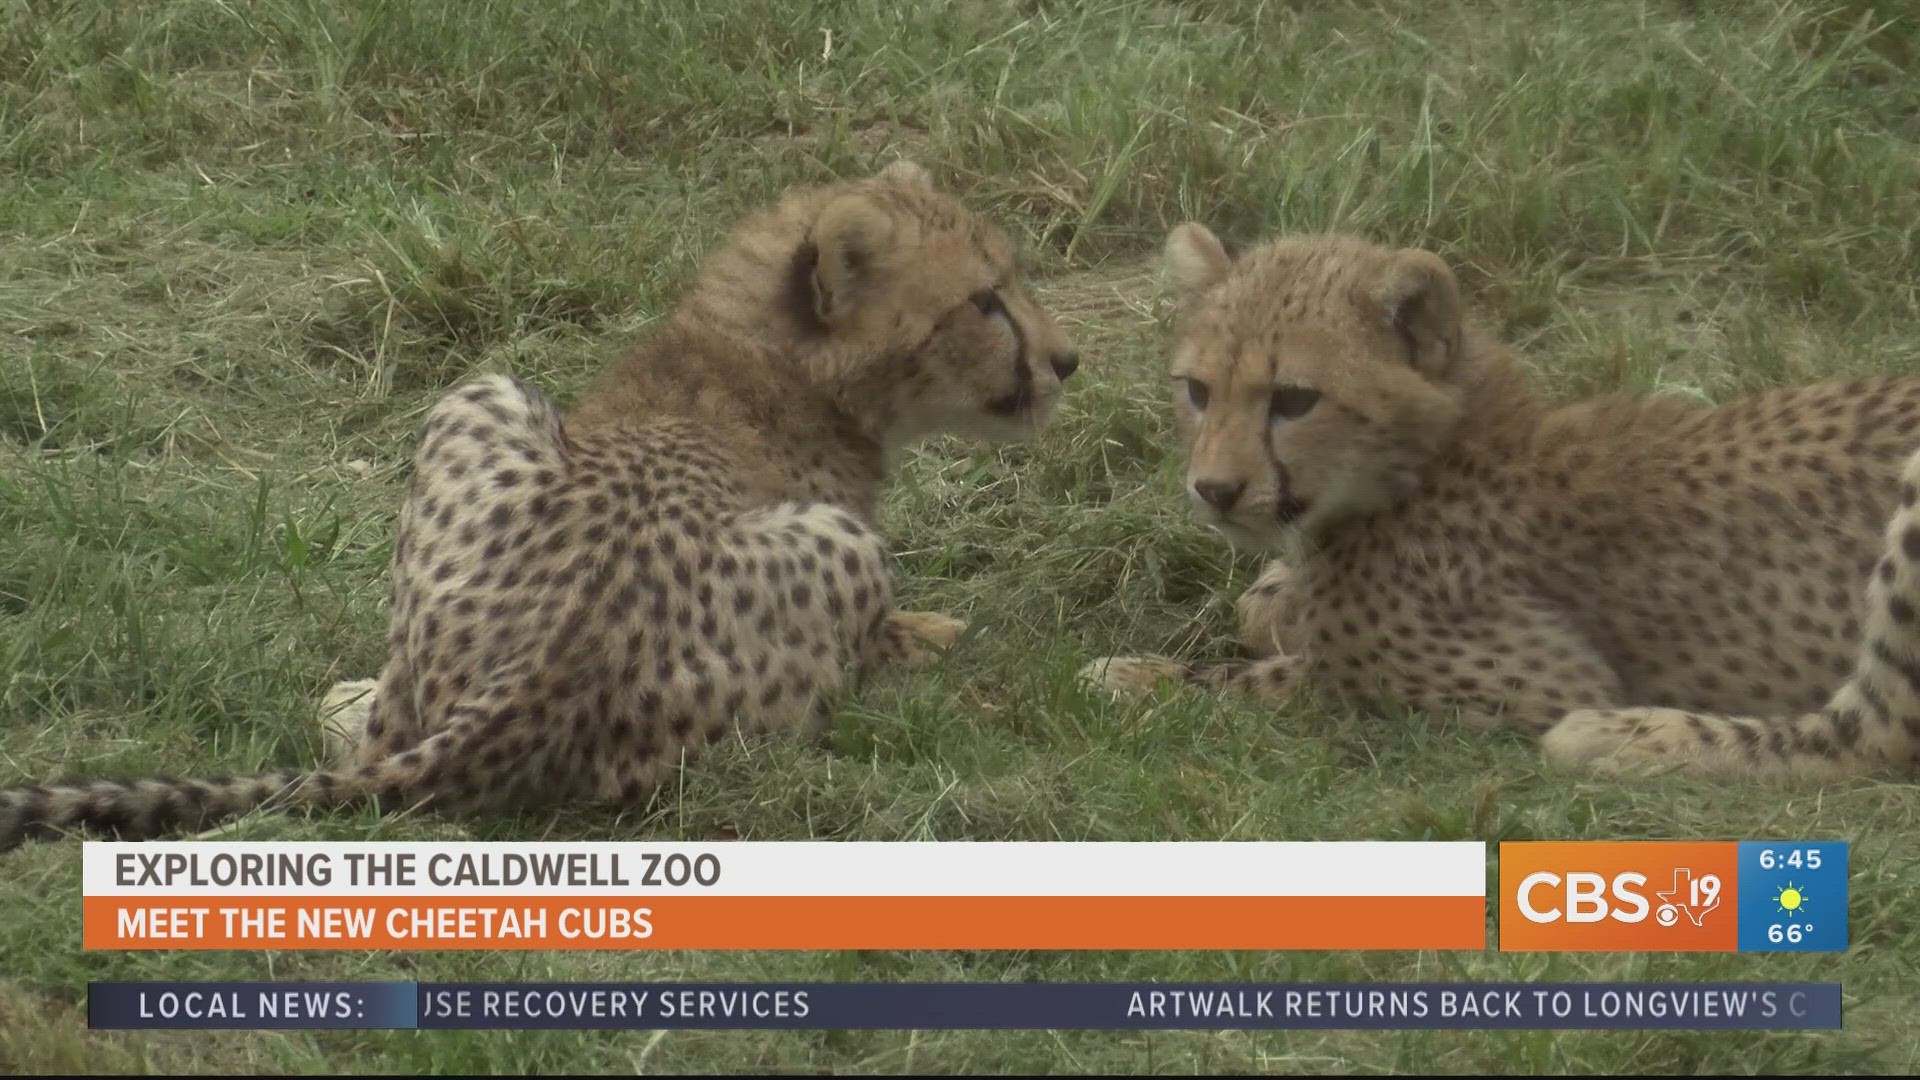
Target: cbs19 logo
{"type": "Point", "coordinates": [1581, 896]}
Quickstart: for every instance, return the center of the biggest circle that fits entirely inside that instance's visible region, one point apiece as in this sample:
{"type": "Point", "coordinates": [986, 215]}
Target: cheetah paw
{"type": "Point", "coordinates": [916, 637]}
{"type": "Point", "coordinates": [1620, 742]}
{"type": "Point", "coordinates": [1272, 613]}
{"type": "Point", "coordinates": [344, 713]}
{"type": "Point", "coordinates": [1132, 676]}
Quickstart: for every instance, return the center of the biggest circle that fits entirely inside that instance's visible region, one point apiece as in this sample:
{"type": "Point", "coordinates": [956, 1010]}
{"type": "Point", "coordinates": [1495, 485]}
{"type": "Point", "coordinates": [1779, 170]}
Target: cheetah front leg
{"type": "Point", "coordinates": [1273, 637]}
{"type": "Point", "coordinates": [344, 713]}
{"type": "Point", "coordinates": [1511, 664]}
{"type": "Point", "coordinates": [1272, 680]}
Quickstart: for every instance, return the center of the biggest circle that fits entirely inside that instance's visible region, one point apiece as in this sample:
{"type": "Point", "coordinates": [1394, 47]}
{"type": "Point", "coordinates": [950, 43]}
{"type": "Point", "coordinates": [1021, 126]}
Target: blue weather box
{"type": "Point", "coordinates": [1793, 896]}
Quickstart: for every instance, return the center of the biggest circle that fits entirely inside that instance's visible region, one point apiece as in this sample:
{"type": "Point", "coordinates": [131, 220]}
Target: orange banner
{"type": "Point", "coordinates": [1602, 896]}
{"type": "Point", "coordinates": [803, 922]}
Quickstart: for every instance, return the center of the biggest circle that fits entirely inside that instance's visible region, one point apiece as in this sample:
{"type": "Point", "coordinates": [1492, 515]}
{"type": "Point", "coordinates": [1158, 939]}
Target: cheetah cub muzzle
{"type": "Point", "coordinates": [1646, 582]}
{"type": "Point", "coordinates": [581, 600]}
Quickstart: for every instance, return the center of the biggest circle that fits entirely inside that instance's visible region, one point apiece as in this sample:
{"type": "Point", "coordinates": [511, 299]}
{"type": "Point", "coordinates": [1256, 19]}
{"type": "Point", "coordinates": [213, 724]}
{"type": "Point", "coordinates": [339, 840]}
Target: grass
{"type": "Point", "coordinates": [244, 244]}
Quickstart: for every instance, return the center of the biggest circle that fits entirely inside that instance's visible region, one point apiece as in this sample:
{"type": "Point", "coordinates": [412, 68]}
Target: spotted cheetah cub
{"type": "Point", "coordinates": [1689, 583]}
{"type": "Point", "coordinates": [582, 599]}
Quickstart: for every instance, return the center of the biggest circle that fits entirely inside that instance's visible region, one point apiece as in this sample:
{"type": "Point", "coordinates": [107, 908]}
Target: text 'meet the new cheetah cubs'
{"type": "Point", "coordinates": [1642, 581]}
{"type": "Point", "coordinates": [580, 600]}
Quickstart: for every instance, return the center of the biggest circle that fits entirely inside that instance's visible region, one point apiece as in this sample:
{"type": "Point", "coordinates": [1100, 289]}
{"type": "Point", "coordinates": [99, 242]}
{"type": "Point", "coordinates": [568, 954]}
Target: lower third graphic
{"type": "Point", "coordinates": [1674, 896]}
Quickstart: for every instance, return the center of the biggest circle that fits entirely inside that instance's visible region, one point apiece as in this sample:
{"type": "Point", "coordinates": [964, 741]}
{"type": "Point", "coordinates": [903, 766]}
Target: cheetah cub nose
{"type": "Point", "coordinates": [1065, 364]}
{"type": "Point", "coordinates": [1219, 494]}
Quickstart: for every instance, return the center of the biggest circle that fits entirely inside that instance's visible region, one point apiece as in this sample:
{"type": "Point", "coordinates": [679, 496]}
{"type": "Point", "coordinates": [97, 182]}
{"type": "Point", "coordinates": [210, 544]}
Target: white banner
{"type": "Point", "coordinates": [787, 868]}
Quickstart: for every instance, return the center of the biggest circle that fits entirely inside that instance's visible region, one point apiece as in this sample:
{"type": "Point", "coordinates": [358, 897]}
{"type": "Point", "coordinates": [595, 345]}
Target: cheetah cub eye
{"type": "Point", "coordinates": [1293, 402]}
{"type": "Point", "coordinates": [1287, 403]}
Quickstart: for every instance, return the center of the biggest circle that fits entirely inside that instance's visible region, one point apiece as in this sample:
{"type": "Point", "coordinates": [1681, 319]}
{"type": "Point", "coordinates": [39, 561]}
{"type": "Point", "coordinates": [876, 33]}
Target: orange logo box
{"type": "Point", "coordinates": [1654, 896]}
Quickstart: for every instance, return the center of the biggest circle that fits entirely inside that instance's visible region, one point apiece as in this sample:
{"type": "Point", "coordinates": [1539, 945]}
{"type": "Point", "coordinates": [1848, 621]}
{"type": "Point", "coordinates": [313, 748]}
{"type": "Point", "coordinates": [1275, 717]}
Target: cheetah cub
{"type": "Point", "coordinates": [1642, 581]}
{"type": "Point", "coordinates": [580, 600]}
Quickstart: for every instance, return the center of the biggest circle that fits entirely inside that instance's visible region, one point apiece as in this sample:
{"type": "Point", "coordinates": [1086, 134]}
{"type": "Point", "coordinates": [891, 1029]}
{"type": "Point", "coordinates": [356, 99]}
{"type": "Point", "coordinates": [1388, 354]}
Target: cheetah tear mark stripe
{"type": "Point", "coordinates": [1871, 724]}
{"type": "Point", "coordinates": [1286, 506]}
{"type": "Point", "coordinates": [1022, 394]}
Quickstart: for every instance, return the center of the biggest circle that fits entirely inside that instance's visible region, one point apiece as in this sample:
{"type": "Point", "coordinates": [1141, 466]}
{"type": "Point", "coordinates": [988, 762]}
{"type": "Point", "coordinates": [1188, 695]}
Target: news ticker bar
{"type": "Point", "coordinates": [966, 1006]}
{"type": "Point", "coordinates": [1681, 896]}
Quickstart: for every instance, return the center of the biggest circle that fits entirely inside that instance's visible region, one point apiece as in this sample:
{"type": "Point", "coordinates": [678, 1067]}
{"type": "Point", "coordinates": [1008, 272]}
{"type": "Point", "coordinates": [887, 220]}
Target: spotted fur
{"type": "Point", "coordinates": [581, 601]}
{"type": "Point", "coordinates": [1870, 725]}
{"type": "Point", "coordinates": [1456, 542]}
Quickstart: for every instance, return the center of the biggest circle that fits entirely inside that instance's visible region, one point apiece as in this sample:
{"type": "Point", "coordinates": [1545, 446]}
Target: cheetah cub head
{"type": "Point", "coordinates": [1315, 377]}
{"type": "Point", "coordinates": [901, 305]}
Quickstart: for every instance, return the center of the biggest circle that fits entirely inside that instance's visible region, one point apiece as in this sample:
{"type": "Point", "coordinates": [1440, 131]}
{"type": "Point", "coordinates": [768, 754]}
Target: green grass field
{"type": "Point", "coordinates": [244, 244]}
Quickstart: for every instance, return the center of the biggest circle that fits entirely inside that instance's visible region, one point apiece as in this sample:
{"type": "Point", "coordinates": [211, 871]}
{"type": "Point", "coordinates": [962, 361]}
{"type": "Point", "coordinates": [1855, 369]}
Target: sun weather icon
{"type": "Point", "coordinates": [1791, 900]}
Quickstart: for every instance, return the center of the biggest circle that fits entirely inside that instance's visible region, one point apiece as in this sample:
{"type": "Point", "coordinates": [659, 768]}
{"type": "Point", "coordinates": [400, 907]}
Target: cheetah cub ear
{"type": "Point", "coordinates": [852, 239]}
{"type": "Point", "coordinates": [904, 171]}
{"type": "Point", "coordinates": [1418, 296]}
{"type": "Point", "coordinates": [1195, 259]}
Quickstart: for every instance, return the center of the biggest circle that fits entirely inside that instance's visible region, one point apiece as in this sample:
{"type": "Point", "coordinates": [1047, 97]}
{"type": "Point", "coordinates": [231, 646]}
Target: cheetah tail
{"type": "Point", "coordinates": [143, 809]}
{"type": "Point", "coordinates": [147, 808]}
{"type": "Point", "coordinates": [1871, 724]}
